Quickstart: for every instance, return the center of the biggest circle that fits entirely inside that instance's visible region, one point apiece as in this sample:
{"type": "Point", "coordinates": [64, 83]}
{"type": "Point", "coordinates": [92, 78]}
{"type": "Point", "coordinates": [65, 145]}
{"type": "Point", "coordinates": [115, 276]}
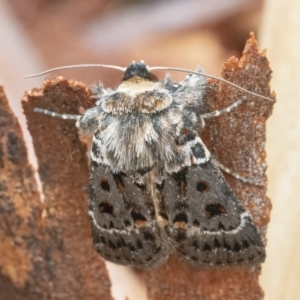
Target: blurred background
{"type": "Point", "coordinates": [39, 34]}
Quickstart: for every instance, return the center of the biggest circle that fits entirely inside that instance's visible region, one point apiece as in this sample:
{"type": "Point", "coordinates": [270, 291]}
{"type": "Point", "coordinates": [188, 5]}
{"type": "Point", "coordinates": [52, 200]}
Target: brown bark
{"type": "Point", "coordinates": [73, 268]}
{"type": "Point", "coordinates": [21, 257]}
{"type": "Point", "coordinates": [59, 262]}
{"type": "Point", "coordinates": [237, 140]}
{"type": "Point", "coordinates": [46, 247]}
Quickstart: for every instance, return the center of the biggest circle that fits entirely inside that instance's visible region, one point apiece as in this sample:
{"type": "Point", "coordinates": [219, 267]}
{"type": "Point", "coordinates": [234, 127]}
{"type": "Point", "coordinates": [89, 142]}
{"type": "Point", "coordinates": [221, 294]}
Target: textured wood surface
{"type": "Point", "coordinates": [237, 140]}
{"type": "Point", "coordinates": [46, 248]}
{"type": "Point", "coordinates": [77, 271]}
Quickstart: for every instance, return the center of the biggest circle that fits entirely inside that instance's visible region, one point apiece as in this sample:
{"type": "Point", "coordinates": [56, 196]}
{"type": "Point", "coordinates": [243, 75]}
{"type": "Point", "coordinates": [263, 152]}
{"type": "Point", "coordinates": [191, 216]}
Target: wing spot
{"type": "Point", "coordinates": [123, 244]}
{"type": "Point", "coordinates": [139, 245]}
{"type": "Point", "coordinates": [181, 217]}
{"type": "Point", "coordinates": [111, 245]}
{"type": "Point", "coordinates": [157, 250]}
{"type": "Point", "coordinates": [181, 220]}
{"type": "Point", "coordinates": [212, 210]}
{"type": "Point", "coordinates": [140, 223]}
{"type": "Point", "coordinates": [127, 223]}
{"type": "Point", "coordinates": [227, 246]}
{"type": "Point", "coordinates": [180, 236]}
{"type": "Point", "coordinates": [103, 240]}
{"type": "Point", "coordinates": [106, 207]}
{"type": "Point", "coordinates": [245, 243]}
{"type": "Point", "coordinates": [131, 247]}
{"type": "Point", "coordinates": [142, 172]}
{"type": "Point", "coordinates": [95, 163]}
{"type": "Point", "coordinates": [119, 181]}
{"type": "Point", "coordinates": [180, 224]}
{"type": "Point", "coordinates": [164, 217]}
{"type": "Point", "coordinates": [196, 222]}
{"type": "Point", "coordinates": [217, 244]}
{"type": "Point", "coordinates": [198, 151]}
{"type": "Point", "coordinates": [149, 236]}
{"type": "Point", "coordinates": [142, 187]}
{"type": "Point", "coordinates": [202, 186]}
{"type": "Point", "coordinates": [104, 185]}
{"type": "Point", "coordinates": [221, 226]}
{"type": "Point", "coordinates": [160, 186]}
{"type": "Point", "coordinates": [206, 247]}
{"type": "Point", "coordinates": [229, 261]}
{"type": "Point", "coordinates": [236, 247]}
{"type": "Point", "coordinates": [180, 178]}
{"type": "Point", "coordinates": [138, 219]}
{"type": "Point", "coordinates": [195, 244]}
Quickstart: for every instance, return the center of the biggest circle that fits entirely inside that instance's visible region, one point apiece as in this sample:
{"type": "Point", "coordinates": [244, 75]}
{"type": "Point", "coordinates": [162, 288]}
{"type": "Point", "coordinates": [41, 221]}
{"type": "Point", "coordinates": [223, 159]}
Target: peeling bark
{"type": "Point", "coordinates": [237, 140]}
{"type": "Point", "coordinates": [20, 215]}
{"type": "Point", "coordinates": [46, 247]}
{"type": "Point", "coordinates": [73, 268]}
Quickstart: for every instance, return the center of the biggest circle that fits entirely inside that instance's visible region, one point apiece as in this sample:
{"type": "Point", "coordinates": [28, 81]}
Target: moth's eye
{"type": "Point", "coordinates": [202, 186]}
{"type": "Point", "coordinates": [212, 210]}
{"type": "Point", "coordinates": [106, 207]}
{"type": "Point", "coordinates": [104, 185]}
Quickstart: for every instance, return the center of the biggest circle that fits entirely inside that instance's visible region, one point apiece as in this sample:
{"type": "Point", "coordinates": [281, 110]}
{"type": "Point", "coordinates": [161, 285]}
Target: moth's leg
{"type": "Point", "coordinates": [224, 110]}
{"type": "Point", "coordinates": [237, 176]}
{"type": "Point", "coordinates": [57, 115]}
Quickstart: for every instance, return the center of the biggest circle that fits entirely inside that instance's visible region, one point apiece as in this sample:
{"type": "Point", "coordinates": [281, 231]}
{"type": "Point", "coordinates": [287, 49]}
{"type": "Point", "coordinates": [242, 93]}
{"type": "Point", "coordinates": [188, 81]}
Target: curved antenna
{"type": "Point", "coordinates": [209, 76]}
{"type": "Point", "coordinates": [77, 66]}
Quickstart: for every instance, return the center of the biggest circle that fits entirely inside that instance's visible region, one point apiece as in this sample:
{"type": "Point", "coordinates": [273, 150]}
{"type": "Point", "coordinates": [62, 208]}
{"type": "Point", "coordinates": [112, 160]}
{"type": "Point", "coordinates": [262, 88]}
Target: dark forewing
{"type": "Point", "coordinates": [207, 223]}
{"type": "Point", "coordinates": [123, 220]}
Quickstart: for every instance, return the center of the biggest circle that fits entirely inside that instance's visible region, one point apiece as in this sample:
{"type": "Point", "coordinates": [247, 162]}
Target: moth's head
{"type": "Point", "coordinates": [138, 70]}
{"type": "Point", "coordinates": [139, 92]}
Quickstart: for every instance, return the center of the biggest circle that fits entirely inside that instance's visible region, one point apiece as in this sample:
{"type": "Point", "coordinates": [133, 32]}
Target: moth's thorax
{"type": "Point", "coordinates": [138, 141]}
{"type": "Point", "coordinates": [142, 122]}
{"type": "Point", "coordinates": [137, 94]}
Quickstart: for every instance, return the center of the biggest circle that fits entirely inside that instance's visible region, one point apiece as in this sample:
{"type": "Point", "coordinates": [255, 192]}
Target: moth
{"type": "Point", "coordinates": [154, 188]}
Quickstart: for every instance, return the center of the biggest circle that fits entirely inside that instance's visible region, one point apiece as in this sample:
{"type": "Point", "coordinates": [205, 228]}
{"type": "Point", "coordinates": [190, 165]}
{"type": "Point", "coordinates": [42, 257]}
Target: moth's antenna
{"type": "Point", "coordinates": [78, 66]}
{"type": "Point", "coordinates": [57, 115]}
{"type": "Point", "coordinates": [208, 76]}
